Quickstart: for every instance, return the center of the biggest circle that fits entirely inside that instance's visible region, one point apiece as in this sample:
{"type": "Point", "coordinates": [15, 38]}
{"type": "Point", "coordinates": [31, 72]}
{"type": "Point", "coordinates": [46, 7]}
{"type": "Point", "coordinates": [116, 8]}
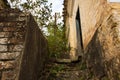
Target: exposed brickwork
{"type": "Point", "coordinates": [21, 43]}
{"type": "Point", "coordinates": [11, 42]}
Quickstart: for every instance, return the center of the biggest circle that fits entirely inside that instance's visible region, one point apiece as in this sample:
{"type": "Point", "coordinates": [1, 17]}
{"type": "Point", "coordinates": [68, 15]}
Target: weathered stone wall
{"type": "Point", "coordinates": [34, 54]}
{"type": "Point", "coordinates": [12, 37]}
{"type": "Point", "coordinates": [90, 15]}
{"type": "Point", "coordinates": [100, 23]}
{"type": "Point", "coordinates": [103, 52]}
{"type": "Point", "coordinates": [22, 46]}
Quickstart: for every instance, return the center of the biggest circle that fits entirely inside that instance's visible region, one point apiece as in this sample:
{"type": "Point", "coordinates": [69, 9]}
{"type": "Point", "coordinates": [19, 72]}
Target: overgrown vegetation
{"type": "Point", "coordinates": [56, 39]}
{"type": "Point", "coordinates": [40, 9]}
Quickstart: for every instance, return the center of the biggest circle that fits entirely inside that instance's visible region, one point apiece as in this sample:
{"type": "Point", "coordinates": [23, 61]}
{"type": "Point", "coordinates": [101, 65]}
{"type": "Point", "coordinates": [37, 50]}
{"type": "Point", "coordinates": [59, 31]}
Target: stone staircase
{"type": "Point", "coordinates": [66, 71]}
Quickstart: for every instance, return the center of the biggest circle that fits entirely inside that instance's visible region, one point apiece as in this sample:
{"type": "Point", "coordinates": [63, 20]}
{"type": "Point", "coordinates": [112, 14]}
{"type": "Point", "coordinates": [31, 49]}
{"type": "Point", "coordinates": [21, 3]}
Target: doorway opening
{"type": "Point", "coordinates": [79, 33]}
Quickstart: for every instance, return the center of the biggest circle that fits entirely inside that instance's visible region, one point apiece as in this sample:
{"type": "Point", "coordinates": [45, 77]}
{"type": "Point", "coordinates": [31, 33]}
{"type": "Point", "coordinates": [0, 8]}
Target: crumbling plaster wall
{"type": "Point", "coordinates": [90, 15]}
{"type": "Point", "coordinates": [100, 23]}
{"type": "Point", "coordinates": [103, 51]}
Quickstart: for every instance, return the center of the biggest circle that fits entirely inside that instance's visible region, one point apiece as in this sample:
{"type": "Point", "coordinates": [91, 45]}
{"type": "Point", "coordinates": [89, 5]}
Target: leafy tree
{"type": "Point", "coordinates": [56, 40]}
{"type": "Point", "coordinates": [40, 9]}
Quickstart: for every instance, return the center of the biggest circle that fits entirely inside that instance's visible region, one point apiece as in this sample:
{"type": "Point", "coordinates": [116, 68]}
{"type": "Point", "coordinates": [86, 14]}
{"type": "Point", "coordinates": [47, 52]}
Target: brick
{"type": "Point", "coordinates": [18, 48]}
{"type": "Point", "coordinates": [20, 24]}
{"type": "Point", "coordinates": [7, 24]}
{"type": "Point", "coordinates": [16, 41]}
{"type": "Point", "coordinates": [3, 40]}
{"type": "Point", "coordinates": [1, 24]}
{"type": "Point", "coordinates": [3, 48]}
{"type": "Point", "coordinates": [12, 14]}
{"type": "Point", "coordinates": [8, 75]}
{"type": "Point", "coordinates": [9, 29]}
{"type": "Point", "coordinates": [19, 34]}
{"type": "Point", "coordinates": [7, 65]}
{"type": "Point", "coordinates": [22, 18]}
{"type": "Point", "coordinates": [1, 66]}
{"type": "Point", "coordinates": [10, 64]}
{"type": "Point", "coordinates": [2, 15]}
{"type": "Point", "coordinates": [9, 56]}
{"type": "Point", "coordinates": [15, 47]}
{"type": "Point", "coordinates": [5, 34]}
{"type": "Point", "coordinates": [13, 40]}
{"type": "Point", "coordinates": [23, 15]}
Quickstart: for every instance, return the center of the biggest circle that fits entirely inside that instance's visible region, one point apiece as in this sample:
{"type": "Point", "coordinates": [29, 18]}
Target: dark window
{"type": "Point", "coordinates": [79, 31]}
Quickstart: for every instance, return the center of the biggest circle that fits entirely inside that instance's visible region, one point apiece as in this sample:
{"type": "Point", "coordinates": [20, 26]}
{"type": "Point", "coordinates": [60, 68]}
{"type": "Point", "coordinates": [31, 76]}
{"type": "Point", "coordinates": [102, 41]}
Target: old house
{"type": "Point", "coordinates": [93, 31]}
{"type": "Point", "coordinates": [81, 18]}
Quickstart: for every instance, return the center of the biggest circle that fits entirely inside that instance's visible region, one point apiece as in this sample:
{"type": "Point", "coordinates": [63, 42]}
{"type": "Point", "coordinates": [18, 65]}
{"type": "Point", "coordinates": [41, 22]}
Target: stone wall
{"type": "Point", "coordinates": [34, 54]}
{"type": "Point", "coordinates": [103, 52]}
{"type": "Point", "coordinates": [22, 46]}
{"type": "Point", "coordinates": [90, 17]}
{"type": "Point", "coordinates": [100, 23]}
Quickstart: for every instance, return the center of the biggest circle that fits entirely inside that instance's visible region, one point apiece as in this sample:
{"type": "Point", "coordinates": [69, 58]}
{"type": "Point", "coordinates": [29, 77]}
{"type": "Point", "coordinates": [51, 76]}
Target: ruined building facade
{"type": "Point", "coordinates": [93, 32]}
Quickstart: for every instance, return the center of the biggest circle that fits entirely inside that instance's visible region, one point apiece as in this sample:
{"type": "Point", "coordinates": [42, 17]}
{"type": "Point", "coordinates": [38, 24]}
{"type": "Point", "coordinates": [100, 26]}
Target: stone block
{"type": "Point", "coordinates": [3, 48]}
{"type": "Point", "coordinates": [18, 48]}
{"type": "Point", "coordinates": [1, 65]}
{"type": "Point", "coordinates": [9, 29]}
{"type": "Point", "coordinates": [1, 24]}
{"type": "Point", "coordinates": [3, 40]}
{"type": "Point", "coordinates": [7, 24]}
{"type": "Point", "coordinates": [8, 75]}
{"type": "Point", "coordinates": [15, 47]}
{"type": "Point", "coordinates": [7, 65]}
{"type": "Point", "coordinates": [9, 56]}
{"type": "Point", "coordinates": [5, 34]}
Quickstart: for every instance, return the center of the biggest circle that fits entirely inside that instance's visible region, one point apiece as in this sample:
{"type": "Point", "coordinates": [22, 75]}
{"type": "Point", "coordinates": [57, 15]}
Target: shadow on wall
{"type": "Point", "coordinates": [102, 54]}
{"type": "Point", "coordinates": [35, 52]}
{"type": "Point", "coordinates": [93, 57]}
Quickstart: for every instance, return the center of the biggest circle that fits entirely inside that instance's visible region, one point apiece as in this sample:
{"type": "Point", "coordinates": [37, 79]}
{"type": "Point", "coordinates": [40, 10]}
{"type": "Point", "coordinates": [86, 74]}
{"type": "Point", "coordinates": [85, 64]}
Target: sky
{"type": "Point", "coordinates": [57, 5]}
{"type": "Point", "coordinates": [114, 0]}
